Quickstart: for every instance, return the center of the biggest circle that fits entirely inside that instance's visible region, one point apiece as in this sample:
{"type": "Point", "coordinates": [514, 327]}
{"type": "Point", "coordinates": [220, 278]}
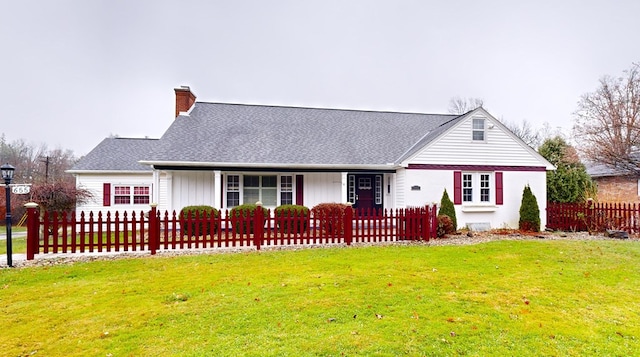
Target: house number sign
{"type": "Point", "coordinates": [20, 189]}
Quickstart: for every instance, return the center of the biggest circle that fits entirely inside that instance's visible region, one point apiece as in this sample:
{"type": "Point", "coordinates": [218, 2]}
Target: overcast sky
{"type": "Point", "coordinates": [73, 72]}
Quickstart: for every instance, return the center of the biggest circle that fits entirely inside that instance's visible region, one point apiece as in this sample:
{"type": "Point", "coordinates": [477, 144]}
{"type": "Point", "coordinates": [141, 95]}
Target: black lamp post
{"type": "Point", "coordinates": [7, 176]}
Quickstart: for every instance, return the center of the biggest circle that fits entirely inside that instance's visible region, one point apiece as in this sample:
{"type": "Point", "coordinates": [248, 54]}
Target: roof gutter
{"type": "Point", "coordinates": [75, 172]}
{"type": "Point", "coordinates": [269, 166]}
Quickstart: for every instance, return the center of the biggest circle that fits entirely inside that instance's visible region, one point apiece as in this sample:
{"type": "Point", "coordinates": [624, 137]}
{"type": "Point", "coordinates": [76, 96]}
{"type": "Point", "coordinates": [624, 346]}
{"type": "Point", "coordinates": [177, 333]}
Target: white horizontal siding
{"type": "Point", "coordinates": [95, 184]}
{"type": "Point", "coordinates": [457, 148]}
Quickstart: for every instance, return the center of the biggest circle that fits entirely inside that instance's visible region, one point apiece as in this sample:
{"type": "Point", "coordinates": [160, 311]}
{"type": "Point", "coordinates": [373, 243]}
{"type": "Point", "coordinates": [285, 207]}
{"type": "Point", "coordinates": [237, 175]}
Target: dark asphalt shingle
{"type": "Point", "coordinates": [121, 154]}
{"type": "Point", "coordinates": [236, 133]}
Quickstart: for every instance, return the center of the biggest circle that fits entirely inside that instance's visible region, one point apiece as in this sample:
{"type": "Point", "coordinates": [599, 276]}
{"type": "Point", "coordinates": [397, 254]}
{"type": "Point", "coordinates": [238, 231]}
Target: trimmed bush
{"type": "Point", "coordinates": [445, 226]}
{"type": "Point", "coordinates": [529, 212]}
{"type": "Point", "coordinates": [331, 216]}
{"type": "Point", "coordinates": [204, 214]}
{"type": "Point", "coordinates": [447, 209]}
{"type": "Point", "coordinates": [297, 222]}
{"type": "Point", "coordinates": [243, 213]}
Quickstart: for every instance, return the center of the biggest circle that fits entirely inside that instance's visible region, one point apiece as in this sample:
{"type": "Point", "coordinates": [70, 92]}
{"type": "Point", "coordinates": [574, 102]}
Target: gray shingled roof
{"type": "Point", "coordinates": [236, 133]}
{"type": "Point", "coordinates": [117, 154]}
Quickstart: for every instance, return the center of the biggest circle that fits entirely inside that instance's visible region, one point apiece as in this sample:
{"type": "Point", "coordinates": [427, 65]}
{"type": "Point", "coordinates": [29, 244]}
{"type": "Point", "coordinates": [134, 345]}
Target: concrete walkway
{"type": "Point", "coordinates": [17, 258]}
{"type": "Point", "coordinates": [3, 234]}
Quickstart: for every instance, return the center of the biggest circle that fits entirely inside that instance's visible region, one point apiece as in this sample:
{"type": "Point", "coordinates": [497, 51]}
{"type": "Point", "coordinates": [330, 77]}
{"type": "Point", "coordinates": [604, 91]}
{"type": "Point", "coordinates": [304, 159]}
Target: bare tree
{"type": "Point", "coordinates": [526, 132]}
{"type": "Point", "coordinates": [45, 169]}
{"type": "Point", "coordinates": [607, 122]}
{"type": "Point", "coordinates": [459, 105]}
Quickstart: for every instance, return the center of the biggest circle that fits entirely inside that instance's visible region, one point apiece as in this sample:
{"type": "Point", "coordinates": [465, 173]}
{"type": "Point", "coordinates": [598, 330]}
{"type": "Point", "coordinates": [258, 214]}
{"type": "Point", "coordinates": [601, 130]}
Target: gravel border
{"type": "Point", "coordinates": [19, 260]}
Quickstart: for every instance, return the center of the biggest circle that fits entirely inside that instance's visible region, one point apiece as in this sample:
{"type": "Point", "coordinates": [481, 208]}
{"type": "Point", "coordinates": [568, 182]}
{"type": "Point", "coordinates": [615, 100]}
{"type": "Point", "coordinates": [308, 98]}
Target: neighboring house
{"type": "Point", "coordinates": [614, 185]}
{"type": "Point", "coordinates": [224, 155]}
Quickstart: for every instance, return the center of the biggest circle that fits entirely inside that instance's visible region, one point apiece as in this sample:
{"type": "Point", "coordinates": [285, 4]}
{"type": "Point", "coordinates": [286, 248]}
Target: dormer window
{"type": "Point", "coordinates": [478, 129]}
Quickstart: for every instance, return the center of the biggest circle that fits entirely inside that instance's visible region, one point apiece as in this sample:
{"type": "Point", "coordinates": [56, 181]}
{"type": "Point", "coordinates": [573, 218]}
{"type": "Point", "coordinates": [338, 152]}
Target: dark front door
{"type": "Point", "coordinates": [365, 191]}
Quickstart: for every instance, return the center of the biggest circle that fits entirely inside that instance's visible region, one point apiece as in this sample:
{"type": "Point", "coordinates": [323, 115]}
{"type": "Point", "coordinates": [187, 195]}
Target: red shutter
{"type": "Point", "coordinates": [299, 189]}
{"type": "Point", "coordinates": [457, 187]}
{"type": "Point", "coordinates": [106, 194]}
{"type": "Point", "coordinates": [499, 190]}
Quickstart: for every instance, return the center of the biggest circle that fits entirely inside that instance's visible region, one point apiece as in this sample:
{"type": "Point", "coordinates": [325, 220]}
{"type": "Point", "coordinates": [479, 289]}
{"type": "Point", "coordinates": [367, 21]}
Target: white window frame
{"type": "Point", "coordinates": [132, 194]}
{"type": "Point", "coordinates": [232, 186]}
{"type": "Point", "coordinates": [240, 188]}
{"type": "Point", "coordinates": [378, 190]}
{"type": "Point", "coordinates": [286, 188]}
{"type": "Point", "coordinates": [477, 130]}
{"type": "Point", "coordinates": [477, 189]}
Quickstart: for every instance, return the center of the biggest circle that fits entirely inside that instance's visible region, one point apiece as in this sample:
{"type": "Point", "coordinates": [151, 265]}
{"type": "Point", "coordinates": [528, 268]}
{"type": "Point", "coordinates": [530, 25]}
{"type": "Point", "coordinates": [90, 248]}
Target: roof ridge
{"type": "Point", "coordinates": [453, 116]}
{"type": "Point", "coordinates": [127, 138]}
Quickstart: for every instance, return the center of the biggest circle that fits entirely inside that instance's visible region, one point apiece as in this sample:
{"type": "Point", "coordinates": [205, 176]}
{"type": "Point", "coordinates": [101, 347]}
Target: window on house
{"type": "Point", "coordinates": [249, 189]}
{"type": "Point", "coordinates": [485, 188]}
{"type": "Point", "coordinates": [476, 188]}
{"type": "Point", "coordinates": [478, 129]}
{"type": "Point", "coordinates": [260, 188]}
{"type": "Point", "coordinates": [233, 190]}
{"type": "Point", "coordinates": [378, 192]}
{"type": "Point", "coordinates": [467, 188]}
{"type": "Point", "coordinates": [286, 190]}
{"type": "Point", "coordinates": [351, 189]}
{"type": "Point", "coordinates": [130, 194]}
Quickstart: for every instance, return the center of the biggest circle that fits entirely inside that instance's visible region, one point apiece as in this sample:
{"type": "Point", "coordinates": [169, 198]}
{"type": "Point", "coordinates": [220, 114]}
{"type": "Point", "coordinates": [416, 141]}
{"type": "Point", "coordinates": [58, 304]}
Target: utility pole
{"type": "Point", "coordinates": [46, 169]}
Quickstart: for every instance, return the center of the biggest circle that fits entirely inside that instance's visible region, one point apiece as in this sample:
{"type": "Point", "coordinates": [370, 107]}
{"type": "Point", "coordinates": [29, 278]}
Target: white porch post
{"type": "Point", "coordinates": [155, 193]}
{"type": "Point", "coordinates": [170, 191]}
{"type": "Point", "coordinates": [344, 187]}
{"type": "Point", "coordinates": [217, 189]}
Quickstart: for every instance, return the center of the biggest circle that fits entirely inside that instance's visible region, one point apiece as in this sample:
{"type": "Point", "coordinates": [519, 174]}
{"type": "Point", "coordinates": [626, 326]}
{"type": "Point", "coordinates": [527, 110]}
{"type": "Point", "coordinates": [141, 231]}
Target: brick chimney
{"type": "Point", "coordinates": [184, 99]}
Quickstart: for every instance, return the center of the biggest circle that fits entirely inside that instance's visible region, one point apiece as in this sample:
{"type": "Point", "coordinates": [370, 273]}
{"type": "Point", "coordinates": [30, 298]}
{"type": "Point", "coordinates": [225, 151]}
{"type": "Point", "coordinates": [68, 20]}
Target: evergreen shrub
{"type": "Point", "coordinates": [296, 218]}
{"type": "Point", "coordinates": [242, 217]}
{"type": "Point", "coordinates": [529, 212]}
{"type": "Point", "coordinates": [447, 209]}
{"type": "Point", "coordinates": [203, 213]}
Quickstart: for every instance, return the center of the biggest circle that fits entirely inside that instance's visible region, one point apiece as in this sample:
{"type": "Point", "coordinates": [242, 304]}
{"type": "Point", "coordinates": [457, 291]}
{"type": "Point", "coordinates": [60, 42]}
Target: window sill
{"type": "Point", "coordinates": [479, 208]}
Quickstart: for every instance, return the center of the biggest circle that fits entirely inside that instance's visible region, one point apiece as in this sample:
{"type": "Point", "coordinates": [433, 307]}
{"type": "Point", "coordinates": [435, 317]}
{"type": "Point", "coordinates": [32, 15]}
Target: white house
{"type": "Point", "coordinates": [224, 155]}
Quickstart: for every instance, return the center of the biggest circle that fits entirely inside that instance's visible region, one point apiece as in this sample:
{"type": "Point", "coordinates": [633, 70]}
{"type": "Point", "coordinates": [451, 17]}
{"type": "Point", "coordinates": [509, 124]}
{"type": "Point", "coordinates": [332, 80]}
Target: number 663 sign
{"type": "Point", "coordinates": [20, 189]}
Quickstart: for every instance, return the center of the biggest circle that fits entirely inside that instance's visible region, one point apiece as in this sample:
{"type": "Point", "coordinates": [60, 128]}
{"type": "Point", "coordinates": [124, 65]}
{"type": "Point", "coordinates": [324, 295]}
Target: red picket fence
{"type": "Point", "coordinates": [593, 217]}
{"type": "Point", "coordinates": [156, 231]}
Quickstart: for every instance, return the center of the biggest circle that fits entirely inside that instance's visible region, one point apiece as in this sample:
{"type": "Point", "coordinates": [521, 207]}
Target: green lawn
{"type": "Point", "coordinates": [18, 244]}
{"type": "Point", "coordinates": [506, 298]}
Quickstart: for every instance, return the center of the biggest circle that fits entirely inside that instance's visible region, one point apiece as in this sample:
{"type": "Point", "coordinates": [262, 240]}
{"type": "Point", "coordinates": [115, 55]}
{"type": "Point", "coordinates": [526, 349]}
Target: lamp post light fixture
{"type": "Point", "coordinates": [7, 175]}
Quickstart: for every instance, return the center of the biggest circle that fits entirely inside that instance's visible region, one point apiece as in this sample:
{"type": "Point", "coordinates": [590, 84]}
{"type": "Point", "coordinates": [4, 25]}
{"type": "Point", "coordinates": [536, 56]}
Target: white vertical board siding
{"type": "Point", "coordinates": [323, 188]}
{"type": "Point", "coordinates": [457, 148]}
{"type": "Point", "coordinates": [192, 188]}
{"type": "Point", "coordinates": [507, 215]}
{"type": "Point", "coordinates": [400, 188]}
{"type": "Point", "coordinates": [95, 184]}
{"type": "Point", "coordinates": [163, 201]}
